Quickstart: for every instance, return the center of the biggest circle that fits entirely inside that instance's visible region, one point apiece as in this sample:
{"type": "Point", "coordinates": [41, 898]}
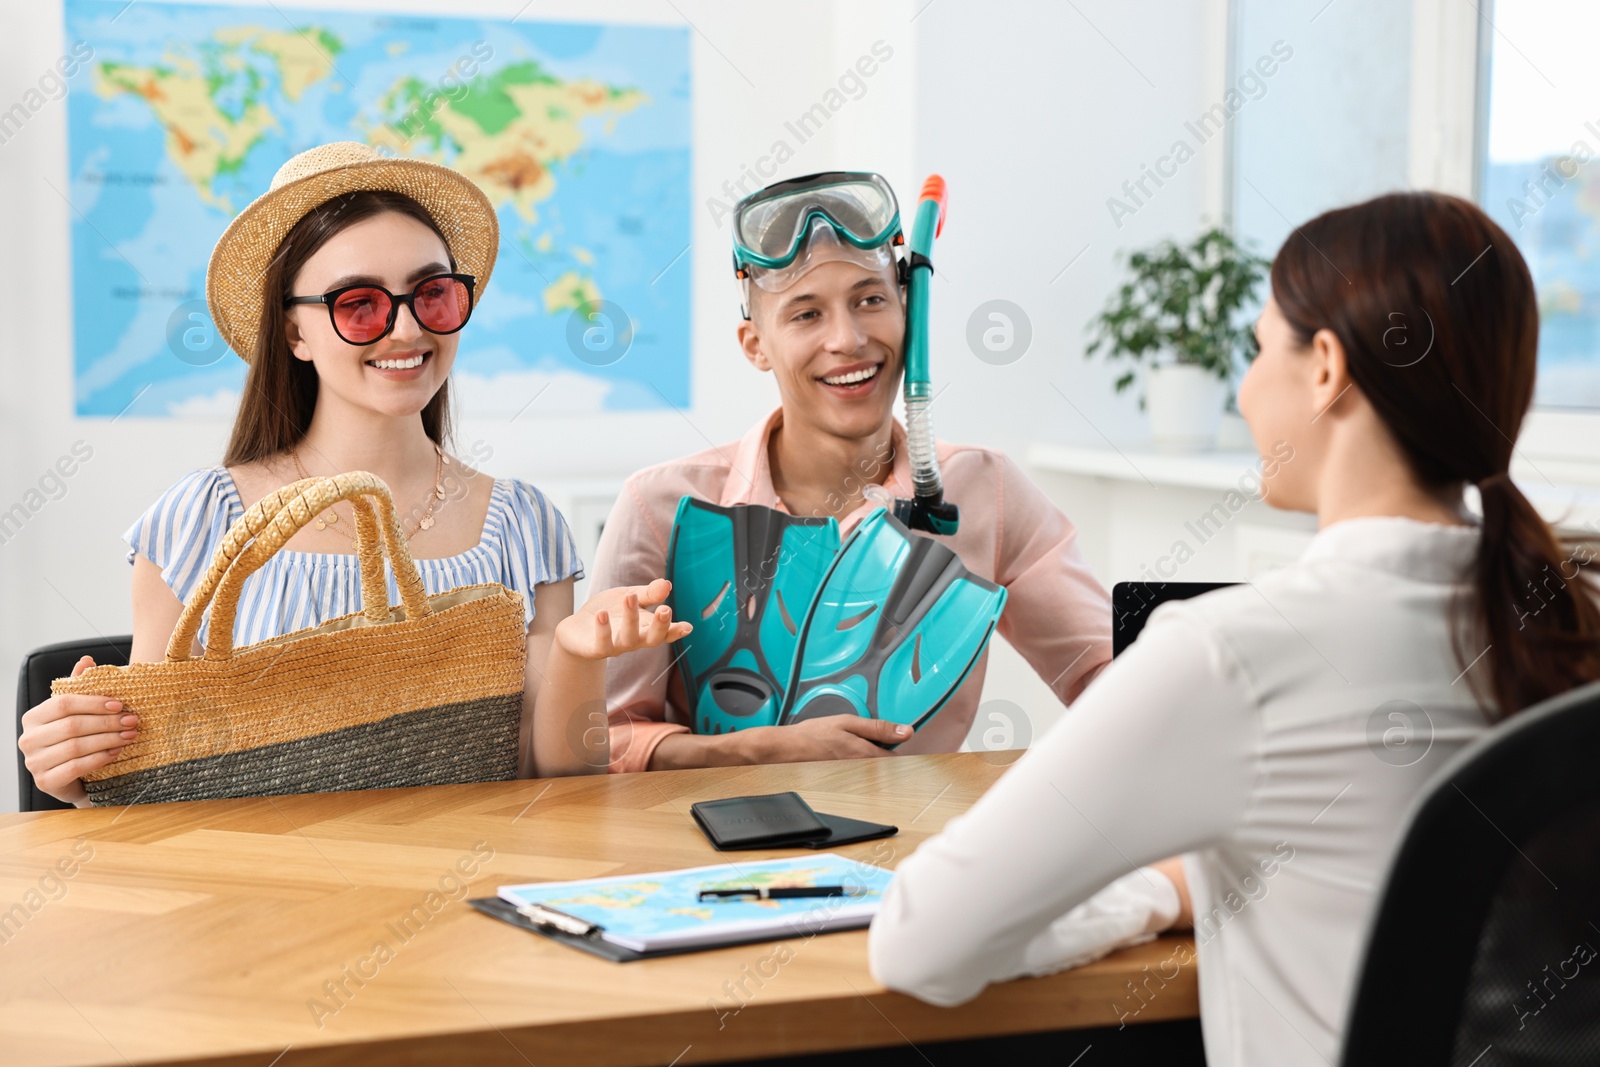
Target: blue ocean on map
{"type": "Point", "coordinates": [579, 133]}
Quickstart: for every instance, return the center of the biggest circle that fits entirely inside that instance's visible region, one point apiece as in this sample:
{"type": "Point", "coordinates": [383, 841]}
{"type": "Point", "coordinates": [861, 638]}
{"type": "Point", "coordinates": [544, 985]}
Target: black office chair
{"type": "Point", "coordinates": [41, 667]}
{"type": "Point", "coordinates": [1483, 949]}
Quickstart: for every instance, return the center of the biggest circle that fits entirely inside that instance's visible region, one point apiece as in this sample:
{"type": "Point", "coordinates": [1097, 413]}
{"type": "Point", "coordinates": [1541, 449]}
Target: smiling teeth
{"type": "Point", "coordinates": [851, 379]}
{"type": "Point", "coordinates": [399, 364]}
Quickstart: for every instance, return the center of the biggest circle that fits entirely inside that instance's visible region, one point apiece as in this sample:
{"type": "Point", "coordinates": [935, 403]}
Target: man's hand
{"type": "Point", "coordinates": [828, 738]}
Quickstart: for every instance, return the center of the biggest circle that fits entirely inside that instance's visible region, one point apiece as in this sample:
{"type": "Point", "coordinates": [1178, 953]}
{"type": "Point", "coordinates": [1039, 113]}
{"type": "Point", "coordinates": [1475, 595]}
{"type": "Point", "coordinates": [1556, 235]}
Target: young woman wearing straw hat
{"type": "Point", "coordinates": [345, 287]}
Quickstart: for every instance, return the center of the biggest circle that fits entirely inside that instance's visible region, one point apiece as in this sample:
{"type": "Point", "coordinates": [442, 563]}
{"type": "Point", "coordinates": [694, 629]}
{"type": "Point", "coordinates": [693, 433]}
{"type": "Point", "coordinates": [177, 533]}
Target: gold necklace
{"type": "Point", "coordinates": [331, 517]}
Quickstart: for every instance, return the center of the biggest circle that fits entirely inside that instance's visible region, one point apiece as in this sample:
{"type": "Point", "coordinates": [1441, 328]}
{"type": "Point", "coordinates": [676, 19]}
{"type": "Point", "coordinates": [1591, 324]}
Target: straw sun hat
{"type": "Point", "coordinates": [245, 250]}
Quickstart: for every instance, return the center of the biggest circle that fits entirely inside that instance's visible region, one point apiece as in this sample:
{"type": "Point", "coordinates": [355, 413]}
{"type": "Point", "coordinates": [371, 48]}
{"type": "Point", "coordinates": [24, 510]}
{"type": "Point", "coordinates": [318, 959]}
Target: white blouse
{"type": "Point", "coordinates": [1275, 733]}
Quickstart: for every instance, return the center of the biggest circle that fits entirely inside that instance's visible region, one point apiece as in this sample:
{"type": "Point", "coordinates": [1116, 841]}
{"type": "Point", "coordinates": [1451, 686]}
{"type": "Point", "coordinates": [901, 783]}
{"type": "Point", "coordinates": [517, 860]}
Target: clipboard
{"type": "Point", "coordinates": [633, 916]}
{"type": "Point", "coordinates": [496, 908]}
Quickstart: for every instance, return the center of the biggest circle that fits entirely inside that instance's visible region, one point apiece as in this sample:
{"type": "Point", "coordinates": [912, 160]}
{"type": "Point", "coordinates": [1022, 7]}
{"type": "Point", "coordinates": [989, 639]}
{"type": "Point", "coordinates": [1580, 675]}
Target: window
{"type": "Point", "coordinates": [1539, 176]}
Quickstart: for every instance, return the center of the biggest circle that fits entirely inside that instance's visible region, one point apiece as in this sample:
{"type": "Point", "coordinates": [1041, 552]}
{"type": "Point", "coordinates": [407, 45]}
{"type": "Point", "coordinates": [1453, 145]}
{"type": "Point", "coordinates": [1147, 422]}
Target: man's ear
{"type": "Point", "coordinates": [750, 345]}
{"type": "Point", "coordinates": [1328, 369]}
{"type": "Point", "coordinates": [297, 342]}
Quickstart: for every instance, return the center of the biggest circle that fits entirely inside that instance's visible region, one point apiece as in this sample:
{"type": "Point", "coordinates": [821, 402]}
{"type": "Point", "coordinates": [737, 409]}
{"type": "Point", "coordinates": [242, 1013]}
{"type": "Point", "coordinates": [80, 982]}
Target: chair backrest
{"type": "Point", "coordinates": [1485, 941]}
{"type": "Point", "coordinates": [1132, 603]}
{"type": "Point", "coordinates": [41, 667]}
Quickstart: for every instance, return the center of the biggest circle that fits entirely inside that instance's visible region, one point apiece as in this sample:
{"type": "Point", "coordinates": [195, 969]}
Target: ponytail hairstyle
{"type": "Point", "coordinates": [280, 392]}
{"type": "Point", "coordinates": [1436, 311]}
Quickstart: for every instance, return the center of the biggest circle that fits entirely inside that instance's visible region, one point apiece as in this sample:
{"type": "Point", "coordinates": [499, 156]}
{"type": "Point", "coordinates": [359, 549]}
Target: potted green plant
{"type": "Point", "coordinates": [1179, 314]}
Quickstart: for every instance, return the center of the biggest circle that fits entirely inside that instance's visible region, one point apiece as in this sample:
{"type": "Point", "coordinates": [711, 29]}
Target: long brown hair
{"type": "Point", "coordinates": [1437, 314]}
{"type": "Point", "coordinates": [280, 392]}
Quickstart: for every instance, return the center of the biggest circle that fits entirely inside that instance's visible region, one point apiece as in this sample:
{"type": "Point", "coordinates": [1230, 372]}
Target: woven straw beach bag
{"type": "Point", "coordinates": [426, 693]}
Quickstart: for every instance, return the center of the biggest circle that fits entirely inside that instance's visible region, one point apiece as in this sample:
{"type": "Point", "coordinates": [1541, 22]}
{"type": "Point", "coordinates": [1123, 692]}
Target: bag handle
{"type": "Point", "coordinates": [376, 530]}
{"type": "Point", "coordinates": [264, 530]}
{"type": "Point", "coordinates": [240, 534]}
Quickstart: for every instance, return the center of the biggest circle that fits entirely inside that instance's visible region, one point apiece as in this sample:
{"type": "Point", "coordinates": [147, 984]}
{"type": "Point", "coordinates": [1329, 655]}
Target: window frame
{"type": "Point", "coordinates": [1451, 47]}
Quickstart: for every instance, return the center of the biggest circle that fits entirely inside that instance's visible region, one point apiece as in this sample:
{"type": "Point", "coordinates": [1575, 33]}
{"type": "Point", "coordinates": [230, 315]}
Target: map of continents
{"type": "Point", "coordinates": [578, 133]}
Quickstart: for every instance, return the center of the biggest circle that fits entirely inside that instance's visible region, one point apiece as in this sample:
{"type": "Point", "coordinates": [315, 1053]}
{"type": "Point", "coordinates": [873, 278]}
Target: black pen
{"type": "Point", "coordinates": [783, 892]}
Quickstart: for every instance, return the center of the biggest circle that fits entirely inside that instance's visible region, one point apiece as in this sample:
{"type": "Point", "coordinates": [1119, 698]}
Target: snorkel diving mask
{"type": "Point", "coordinates": [781, 232]}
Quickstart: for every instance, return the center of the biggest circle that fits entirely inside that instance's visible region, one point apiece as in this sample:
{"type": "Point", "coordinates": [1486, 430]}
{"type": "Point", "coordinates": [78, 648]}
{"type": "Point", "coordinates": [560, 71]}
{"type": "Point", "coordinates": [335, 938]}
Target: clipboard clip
{"type": "Point", "coordinates": [549, 918]}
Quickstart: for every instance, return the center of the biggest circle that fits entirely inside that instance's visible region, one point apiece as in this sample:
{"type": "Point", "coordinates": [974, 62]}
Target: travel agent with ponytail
{"type": "Point", "coordinates": [1252, 730]}
{"type": "Point", "coordinates": [346, 288]}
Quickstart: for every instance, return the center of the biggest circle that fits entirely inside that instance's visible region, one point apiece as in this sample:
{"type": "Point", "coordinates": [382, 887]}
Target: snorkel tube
{"type": "Point", "coordinates": [927, 510]}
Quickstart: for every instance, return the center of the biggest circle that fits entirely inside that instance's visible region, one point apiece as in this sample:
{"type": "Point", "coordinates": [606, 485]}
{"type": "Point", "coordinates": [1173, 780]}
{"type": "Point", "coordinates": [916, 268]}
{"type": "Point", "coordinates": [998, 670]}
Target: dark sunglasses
{"type": "Point", "coordinates": [364, 314]}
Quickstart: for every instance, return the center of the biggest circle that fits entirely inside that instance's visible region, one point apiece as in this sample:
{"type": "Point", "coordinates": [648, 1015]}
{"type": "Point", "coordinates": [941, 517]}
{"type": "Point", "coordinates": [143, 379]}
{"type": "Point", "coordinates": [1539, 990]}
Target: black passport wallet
{"type": "Point", "coordinates": [778, 820]}
{"type": "Point", "coordinates": [848, 831]}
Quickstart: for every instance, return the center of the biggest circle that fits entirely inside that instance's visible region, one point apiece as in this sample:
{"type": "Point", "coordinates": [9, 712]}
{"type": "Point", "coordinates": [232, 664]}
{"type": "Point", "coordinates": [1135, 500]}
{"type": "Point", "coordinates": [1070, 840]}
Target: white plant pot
{"type": "Point", "coordinates": [1234, 436]}
{"type": "Point", "coordinates": [1184, 405]}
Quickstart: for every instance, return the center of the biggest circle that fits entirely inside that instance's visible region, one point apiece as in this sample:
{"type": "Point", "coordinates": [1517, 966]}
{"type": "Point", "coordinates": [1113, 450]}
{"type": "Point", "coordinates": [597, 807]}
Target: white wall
{"type": "Point", "coordinates": [1035, 113]}
{"type": "Point", "coordinates": [1333, 124]}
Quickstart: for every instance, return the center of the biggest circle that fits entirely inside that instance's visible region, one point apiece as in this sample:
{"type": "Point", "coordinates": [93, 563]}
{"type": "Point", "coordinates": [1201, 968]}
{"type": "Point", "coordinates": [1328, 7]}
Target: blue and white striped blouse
{"type": "Point", "coordinates": [526, 542]}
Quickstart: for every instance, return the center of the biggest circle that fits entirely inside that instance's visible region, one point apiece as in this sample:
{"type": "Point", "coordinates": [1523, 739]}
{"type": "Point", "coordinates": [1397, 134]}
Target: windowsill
{"type": "Point", "coordinates": [1565, 492]}
{"type": "Point", "coordinates": [1197, 470]}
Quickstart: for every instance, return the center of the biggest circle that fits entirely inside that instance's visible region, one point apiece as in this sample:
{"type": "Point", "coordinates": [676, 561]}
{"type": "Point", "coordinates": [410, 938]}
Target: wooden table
{"type": "Point", "coordinates": [231, 931]}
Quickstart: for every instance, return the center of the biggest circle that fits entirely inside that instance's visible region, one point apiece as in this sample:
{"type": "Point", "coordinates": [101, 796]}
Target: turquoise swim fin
{"type": "Point", "coordinates": [894, 630]}
{"type": "Point", "coordinates": [744, 576]}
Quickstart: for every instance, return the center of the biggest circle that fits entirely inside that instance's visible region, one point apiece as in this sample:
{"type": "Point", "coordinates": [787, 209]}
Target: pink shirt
{"type": "Point", "coordinates": [1056, 615]}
